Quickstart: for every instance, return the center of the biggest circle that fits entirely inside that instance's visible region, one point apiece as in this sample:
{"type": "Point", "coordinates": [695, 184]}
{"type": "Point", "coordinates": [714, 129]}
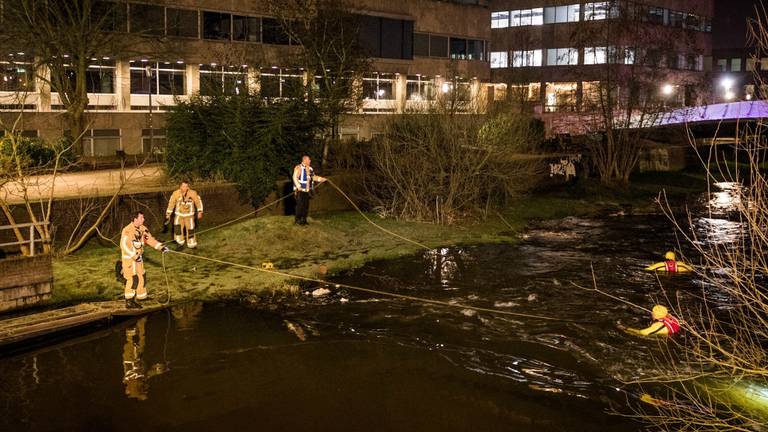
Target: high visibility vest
{"type": "Point", "coordinates": [671, 265]}
{"type": "Point", "coordinates": [305, 178]}
{"type": "Point", "coordinates": [671, 323]}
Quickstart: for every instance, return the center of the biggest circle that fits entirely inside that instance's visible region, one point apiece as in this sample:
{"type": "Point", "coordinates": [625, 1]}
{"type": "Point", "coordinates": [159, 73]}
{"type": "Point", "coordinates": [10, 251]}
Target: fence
{"type": "Point", "coordinates": [32, 233]}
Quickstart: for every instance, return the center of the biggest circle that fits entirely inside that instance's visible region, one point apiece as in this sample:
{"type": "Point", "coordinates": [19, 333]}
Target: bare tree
{"type": "Point", "coordinates": [440, 167]}
{"type": "Point", "coordinates": [326, 32]}
{"type": "Point", "coordinates": [66, 38]}
{"type": "Point", "coordinates": [629, 66]}
{"type": "Point", "coordinates": [716, 377]}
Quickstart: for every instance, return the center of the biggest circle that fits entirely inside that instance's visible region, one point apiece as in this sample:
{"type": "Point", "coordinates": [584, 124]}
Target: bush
{"type": "Point", "coordinates": [32, 154]}
{"type": "Point", "coordinates": [241, 139]}
{"type": "Point", "coordinates": [442, 168]}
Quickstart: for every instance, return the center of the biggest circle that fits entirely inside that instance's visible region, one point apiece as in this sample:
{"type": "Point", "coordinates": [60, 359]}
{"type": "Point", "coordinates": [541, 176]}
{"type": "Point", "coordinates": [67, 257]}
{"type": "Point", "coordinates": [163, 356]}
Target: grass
{"type": "Point", "coordinates": [339, 241]}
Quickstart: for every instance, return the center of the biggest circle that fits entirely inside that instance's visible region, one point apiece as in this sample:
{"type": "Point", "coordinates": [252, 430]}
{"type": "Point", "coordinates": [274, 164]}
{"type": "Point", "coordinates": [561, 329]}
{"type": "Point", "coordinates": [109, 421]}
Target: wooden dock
{"type": "Point", "coordinates": [26, 327]}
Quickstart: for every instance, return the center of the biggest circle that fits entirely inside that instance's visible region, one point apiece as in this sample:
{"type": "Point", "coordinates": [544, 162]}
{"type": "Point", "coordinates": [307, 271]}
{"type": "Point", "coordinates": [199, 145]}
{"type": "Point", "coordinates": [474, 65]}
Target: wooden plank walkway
{"type": "Point", "coordinates": [21, 328]}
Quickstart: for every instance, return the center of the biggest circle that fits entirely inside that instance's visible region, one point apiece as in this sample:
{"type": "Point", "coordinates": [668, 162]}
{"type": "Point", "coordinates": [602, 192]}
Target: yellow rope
{"type": "Point", "coordinates": [373, 291]}
{"type": "Point", "coordinates": [374, 223]}
{"type": "Point", "coordinates": [245, 215]}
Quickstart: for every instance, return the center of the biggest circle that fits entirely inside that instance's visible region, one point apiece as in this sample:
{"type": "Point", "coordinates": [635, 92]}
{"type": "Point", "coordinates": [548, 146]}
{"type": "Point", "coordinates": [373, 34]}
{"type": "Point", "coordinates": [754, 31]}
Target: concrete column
{"type": "Point", "coordinates": [192, 76]}
{"type": "Point", "coordinates": [254, 83]}
{"type": "Point", "coordinates": [475, 96]}
{"type": "Point", "coordinates": [123, 85]}
{"type": "Point", "coordinates": [439, 94]}
{"type": "Point", "coordinates": [43, 89]}
{"type": "Point", "coordinates": [400, 93]}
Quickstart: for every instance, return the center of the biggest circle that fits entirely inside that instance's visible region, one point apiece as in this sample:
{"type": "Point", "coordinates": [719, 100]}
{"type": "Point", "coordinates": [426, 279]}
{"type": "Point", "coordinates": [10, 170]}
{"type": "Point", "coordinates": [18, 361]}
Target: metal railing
{"type": "Point", "coordinates": [32, 233]}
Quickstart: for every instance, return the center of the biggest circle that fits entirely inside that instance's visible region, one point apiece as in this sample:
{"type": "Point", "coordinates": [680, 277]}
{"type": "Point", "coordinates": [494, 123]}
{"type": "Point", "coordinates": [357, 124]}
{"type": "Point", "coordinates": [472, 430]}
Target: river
{"type": "Point", "coordinates": [351, 361]}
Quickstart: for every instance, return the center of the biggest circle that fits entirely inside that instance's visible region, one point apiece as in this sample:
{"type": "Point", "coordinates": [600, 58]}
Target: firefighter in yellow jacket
{"type": "Point", "coordinates": [132, 241]}
{"type": "Point", "coordinates": [185, 202]}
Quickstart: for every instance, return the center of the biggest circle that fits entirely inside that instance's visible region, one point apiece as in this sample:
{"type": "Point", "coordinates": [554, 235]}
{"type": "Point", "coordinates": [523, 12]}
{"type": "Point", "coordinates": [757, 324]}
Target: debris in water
{"type": "Point", "coordinates": [344, 300]}
{"type": "Point", "coordinates": [469, 312]}
{"type": "Point", "coordinates": [556, 282]}
{"type": "Point", "coordinates": [500, 304]}
{"type": "Point", "coordinates": [296, 329]}
{"type": "Point", "coordinates": [532, 297]}
{"type": "Point", "coordinates": [320, 292]}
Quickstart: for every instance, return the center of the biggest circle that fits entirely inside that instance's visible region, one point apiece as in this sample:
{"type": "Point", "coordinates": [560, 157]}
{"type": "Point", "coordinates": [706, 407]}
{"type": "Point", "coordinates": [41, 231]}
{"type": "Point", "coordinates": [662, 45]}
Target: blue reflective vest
{"type": "Point", "coordinates": [305, 178]}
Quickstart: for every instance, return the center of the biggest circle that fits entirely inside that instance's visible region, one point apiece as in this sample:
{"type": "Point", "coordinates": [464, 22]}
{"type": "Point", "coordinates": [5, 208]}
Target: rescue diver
{"type": "Point", "coordinates": [132, 240]}
{"type": "Point", "coordinates": [304, 179]}
{"type": "Point", "coordinates": [663, 324]}
{"type": "Point", "coordinates": [670, 265]}
{"type": "Point", "coordinates": [185, 203]}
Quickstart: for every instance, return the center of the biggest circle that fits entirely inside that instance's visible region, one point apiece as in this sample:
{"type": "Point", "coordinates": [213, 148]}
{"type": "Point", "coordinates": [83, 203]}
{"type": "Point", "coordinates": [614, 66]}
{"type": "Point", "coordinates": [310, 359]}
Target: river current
{"type": "Point", "coordinates": [351, 361]}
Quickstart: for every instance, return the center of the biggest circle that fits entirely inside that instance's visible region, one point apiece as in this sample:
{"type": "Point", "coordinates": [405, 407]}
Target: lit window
{"type": "Point", "coordinates": [165, 78]}
{"type": "Point", "coordinates": [17, 76]}
{"type": "Point", "coordinates": [526, 58]}
{"type": "Point", "coordinates": [598, 11]}
{"type": "Point", "coordinates": [763, 64]}
{"type": "Point", "coordinates": [735, 65]}
{"type": "Point", "coordinates": [499, 59]}
{"type": "Point", "coordinates": [218, 80]}
{"type": "Point", "coordinates": [560, 96]}
{"type": "Point", "coordinates": [722, 65]}
{"type": "Point", "coordinates": [277, 82]}
{"type": "Point", "coordinates": [500, 19]}
{"type": "Point", "coordinates": [526, 17]}
{"type": "Point", "coordinates": [595, 55]}
{"type": "Point", "coordinates": [562, 56]}
{"type": "Point", "coordinates": [561, 14]}
{"type": "Point", "coordinates": [537, 16]}
{"type": "Point", "coordinates": [379, 87]}
{"type": "Point", "coordinates": [751, 62]}
{"type": "Point", "coordinates": [419, 88]}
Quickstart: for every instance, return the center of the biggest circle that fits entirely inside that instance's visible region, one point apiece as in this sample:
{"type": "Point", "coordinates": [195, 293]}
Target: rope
{"type": "Point", "coordinates": [595, 289]}
{"type": "Point", "coordinates": [245, 215]}
{"type": "Point", "coordinates": [421, 245]}
{"type": "Point", "coordinates": [373, 291]}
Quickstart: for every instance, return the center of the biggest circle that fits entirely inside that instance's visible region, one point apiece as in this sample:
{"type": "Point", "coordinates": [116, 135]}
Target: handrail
{"type": "Point", "coordinates": [24, 225]}
{"type": "Point", "coordinates": [31, 241]}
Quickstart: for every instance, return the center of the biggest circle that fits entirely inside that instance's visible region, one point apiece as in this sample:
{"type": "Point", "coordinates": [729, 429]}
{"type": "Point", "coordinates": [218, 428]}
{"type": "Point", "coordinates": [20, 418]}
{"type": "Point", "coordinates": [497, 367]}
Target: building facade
{"type": "Point", "coordinates": [740, 69]}
{"type": "Point", "coordinates": [553, 53]}
{"type": "Point", "coordinates": [421, 50]}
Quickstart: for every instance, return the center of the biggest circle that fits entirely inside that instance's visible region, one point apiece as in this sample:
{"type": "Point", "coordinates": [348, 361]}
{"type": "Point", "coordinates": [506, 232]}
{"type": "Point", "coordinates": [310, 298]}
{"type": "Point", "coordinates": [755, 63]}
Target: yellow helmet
{"type": "Point", "coordinates": [669, 256]}
{"type": "Point", "coordinates": [659, 312]}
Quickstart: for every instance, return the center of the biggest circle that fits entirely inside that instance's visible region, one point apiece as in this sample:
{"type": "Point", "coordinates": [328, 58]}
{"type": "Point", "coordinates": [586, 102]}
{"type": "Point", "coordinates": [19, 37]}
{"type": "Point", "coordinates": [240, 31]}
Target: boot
{"type": "Point", "coordinates": [132, 304]}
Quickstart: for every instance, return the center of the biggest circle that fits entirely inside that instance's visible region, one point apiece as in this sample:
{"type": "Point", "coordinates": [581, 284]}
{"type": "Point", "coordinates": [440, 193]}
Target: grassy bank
{"type": "Point", "coordinates": [340, 241]}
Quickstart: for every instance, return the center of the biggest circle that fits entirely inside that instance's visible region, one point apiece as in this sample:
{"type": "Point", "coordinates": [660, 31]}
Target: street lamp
{"type": "Point", "coordinates": [148, 73]}
{"type": "Point", "coordinates": [667, 89]}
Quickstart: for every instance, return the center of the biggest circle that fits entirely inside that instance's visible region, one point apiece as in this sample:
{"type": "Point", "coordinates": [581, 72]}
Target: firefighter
{"type": "Point", "coordinates": [134, 236]}
{"type": "Point", "coordinates": [185, 202]}
{"type": "Point", "coordinates": [304, 179]}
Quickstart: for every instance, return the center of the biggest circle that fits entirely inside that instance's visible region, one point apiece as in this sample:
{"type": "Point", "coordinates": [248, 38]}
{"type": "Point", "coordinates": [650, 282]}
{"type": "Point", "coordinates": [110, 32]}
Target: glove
{"type": "Point", "coordinates": [165, 249]}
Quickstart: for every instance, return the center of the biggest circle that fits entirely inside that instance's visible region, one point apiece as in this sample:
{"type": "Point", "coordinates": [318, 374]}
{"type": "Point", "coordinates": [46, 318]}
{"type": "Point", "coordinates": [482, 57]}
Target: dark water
{"type": "Point", "coordinates": [358, 362]}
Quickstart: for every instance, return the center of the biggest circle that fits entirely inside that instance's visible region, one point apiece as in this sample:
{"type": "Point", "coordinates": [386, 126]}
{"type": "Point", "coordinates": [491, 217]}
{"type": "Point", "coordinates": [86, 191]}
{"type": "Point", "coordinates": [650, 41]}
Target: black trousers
{"type": "Point", "coordinates": [302, 207]}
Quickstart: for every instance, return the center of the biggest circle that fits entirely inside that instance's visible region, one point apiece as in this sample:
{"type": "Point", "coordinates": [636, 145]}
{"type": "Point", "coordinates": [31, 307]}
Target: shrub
{"type": "Point", "coordinates": [242, 139]}
{"type": "Point", "coordinates": [441, 167]}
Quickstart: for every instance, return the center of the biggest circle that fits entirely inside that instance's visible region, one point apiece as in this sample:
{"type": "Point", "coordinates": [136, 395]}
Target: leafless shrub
{"type": "Point", "coordinates": [441, 167]}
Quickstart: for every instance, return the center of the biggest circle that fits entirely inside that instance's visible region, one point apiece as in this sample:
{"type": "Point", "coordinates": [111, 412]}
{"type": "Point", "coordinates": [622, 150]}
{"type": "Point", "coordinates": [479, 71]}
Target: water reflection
{"type": "Point", "coordinates": [135, 375]}
{"type": "Point", "coordinates": [727, 199]}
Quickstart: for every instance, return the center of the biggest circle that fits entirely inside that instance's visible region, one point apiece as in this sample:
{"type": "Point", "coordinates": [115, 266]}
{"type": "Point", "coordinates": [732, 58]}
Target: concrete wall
{"type": "Point", "coordinates": [25, 281]}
